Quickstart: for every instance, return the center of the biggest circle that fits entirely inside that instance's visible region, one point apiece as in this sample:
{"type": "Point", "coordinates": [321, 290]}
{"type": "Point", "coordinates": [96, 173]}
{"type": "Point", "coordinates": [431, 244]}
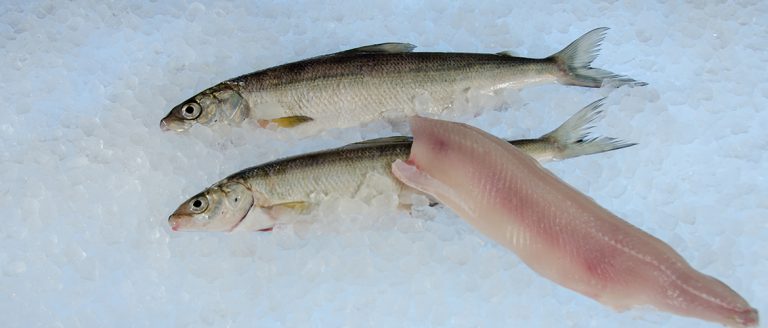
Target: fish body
{"type": "Point", "coordinates": [384, 81]}
{"type": "Point", "coordinates": [258, 195]}
{"type": "Point", "coordinates": [557, 231]}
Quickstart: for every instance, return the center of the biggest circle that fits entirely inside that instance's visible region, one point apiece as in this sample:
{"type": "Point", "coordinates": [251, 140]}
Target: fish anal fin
{"type": "Point", "coordinates": [288, 121]}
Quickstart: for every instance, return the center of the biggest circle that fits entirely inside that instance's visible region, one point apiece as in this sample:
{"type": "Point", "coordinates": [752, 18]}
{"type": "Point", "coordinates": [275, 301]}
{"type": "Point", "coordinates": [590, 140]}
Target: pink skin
{"type": "Point", "coordinates": [559, 232]}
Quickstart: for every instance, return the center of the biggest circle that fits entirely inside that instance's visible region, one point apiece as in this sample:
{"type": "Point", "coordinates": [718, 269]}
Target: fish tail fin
{"type": "Point", "coordinates": [574, 60]}
{"type": "Point", "coordinates": [572, 138]}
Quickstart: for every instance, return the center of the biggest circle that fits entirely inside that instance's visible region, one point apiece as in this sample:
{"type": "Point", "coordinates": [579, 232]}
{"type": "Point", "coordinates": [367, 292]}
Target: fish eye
{"type": "Point", "coordinates": [190, 111]}
{"type": "Point", "coordinates": [199, 204]}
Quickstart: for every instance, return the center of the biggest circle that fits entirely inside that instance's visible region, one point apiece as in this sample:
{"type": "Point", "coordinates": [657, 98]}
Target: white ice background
{"type": "Point", "coordinates": [88, 179]}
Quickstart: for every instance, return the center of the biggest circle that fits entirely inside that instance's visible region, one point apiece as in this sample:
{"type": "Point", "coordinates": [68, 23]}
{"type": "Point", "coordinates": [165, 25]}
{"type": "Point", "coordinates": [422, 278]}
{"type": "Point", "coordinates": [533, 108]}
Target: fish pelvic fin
{"type": "Point", "coordinates": [573, 139]}
{"type": "Point", "coordinates": [574, 60]}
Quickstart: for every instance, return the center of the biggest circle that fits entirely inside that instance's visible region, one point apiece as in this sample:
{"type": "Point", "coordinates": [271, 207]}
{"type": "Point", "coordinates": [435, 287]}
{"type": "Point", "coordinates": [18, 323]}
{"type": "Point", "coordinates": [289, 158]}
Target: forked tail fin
{"type": "Point", "coordinates": [572, 138]}
{"type": "Point", "coordinates": [575, 59]}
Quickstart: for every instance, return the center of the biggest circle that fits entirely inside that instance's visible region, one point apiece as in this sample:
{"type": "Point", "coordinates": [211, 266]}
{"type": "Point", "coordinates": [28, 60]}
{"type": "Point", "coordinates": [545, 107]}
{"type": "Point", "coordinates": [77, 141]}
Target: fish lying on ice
{"type": "Point", "coordinates": [256, 196]}
{"type": "Point", "coordinates": [556, 230]}
{"type": "Point", "coordinates": [386, 80]}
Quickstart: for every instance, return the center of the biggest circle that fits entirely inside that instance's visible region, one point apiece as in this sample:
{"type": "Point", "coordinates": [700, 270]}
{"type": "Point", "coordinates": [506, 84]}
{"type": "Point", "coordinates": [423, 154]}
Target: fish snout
{"type": "Point", "coordinates": [164, 126]}
{"type": "Point", "coordinates": [175, 222]}
{"type": "Point", "coordinates": [172, 123]}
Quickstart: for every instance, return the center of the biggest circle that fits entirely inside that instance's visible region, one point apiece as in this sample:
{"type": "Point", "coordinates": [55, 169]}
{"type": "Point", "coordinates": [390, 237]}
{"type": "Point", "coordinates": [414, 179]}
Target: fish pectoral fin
{"type": "Point", "coordinates": [278, 210]}
{"type": "Point", "coordinates": [382, 48]}
{"type": "Point", "coordinates": [291, 121]}
{"type": "Point", "coordinates": [379, 141]}
{"type": "Point", "coordinates": [297, 205]}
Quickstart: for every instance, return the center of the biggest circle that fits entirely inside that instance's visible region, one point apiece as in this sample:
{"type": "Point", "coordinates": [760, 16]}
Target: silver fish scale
{"type": "Point", "coordinates": [340, 171]}
{"type": "Point", "coordinates": [363, 86]}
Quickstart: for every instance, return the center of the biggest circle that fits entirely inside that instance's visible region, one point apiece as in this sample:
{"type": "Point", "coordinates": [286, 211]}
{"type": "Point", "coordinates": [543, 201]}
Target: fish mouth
{"type": "Point", "coordinates": [177, 223]}
{"type": "Point", "coordinates": [164, 126]}
{"type": "Point", "coordinates": [170, 123]}
{"type": "Point", "coordinates": [174, 222]}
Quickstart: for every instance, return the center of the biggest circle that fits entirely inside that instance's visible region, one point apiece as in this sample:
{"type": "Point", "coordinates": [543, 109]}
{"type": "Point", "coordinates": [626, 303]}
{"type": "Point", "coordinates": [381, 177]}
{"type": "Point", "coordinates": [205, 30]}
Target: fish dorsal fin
{"type": "Point", "coordinates": [507, 53]}
{"type": "Point", "coordinates": [381, 48]}
{"type": "Point", "coordinates": [379, 141]}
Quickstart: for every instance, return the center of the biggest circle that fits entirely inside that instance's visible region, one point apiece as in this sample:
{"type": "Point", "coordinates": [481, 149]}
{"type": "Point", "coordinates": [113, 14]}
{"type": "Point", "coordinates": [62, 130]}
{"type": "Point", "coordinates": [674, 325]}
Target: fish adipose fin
{"type": "Point", "coordinates": [382, 48]}
{"type": "Point", "coordinates": [289, 121]}
{"type": "Point", "coordinates": [575, 59]}
{"type": "Point", "coordinates": [572, 138]}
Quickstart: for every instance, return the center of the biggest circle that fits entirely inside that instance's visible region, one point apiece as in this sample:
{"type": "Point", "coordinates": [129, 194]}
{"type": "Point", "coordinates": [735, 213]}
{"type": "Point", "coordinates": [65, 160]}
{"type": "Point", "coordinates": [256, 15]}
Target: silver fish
{"type": "Point", "coordinates": [386, 80]}
{"type": "Point", "coordinates": [259, 195]}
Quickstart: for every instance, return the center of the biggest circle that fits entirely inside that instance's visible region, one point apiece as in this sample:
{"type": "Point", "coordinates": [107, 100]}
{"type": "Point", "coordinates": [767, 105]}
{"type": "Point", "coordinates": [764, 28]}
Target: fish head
{"type": "Point", "coordinates": [219, 104]}
{"type": "Point", "coordinates": [220, 207]}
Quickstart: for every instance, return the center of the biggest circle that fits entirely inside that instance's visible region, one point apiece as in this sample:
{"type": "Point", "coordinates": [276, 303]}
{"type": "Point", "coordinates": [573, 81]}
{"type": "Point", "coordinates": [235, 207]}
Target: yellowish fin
{"type": "Point", "coordinates": [278, 210]}
{"type": "Point", "coordinates": [296, 206]}
{"type": "Point", "coordinates": [287, 122]}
